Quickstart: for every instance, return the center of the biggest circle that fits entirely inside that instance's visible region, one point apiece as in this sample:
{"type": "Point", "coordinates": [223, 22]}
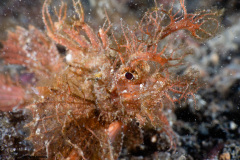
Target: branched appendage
{"type": "Point", "coordinates": [183, 87]}
{"type": "Point", "coordinates": [70, 35]}
{"type": "Point", "coordinates": [197, 24]}
{"type": "Point", "coordinates": [54, 28]}
{"type": "Point", "coordinates": [103, 33]}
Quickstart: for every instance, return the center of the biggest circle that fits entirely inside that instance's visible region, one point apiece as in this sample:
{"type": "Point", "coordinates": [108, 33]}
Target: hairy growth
{"type": "Point", "coordinates": [107, 81]}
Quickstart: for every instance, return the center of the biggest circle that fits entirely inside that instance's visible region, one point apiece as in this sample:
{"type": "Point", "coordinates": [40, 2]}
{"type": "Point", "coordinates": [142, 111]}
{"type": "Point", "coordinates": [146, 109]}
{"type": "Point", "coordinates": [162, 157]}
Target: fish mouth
{"type": "Point", "coordinates": [129, 96]}
{"type": "Point", "coordinates": [129, 91]}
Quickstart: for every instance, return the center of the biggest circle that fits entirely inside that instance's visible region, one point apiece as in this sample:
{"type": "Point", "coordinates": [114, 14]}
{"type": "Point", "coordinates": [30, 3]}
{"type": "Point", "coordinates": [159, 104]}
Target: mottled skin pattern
{"type": "Point", "coordinates": [106, 82]}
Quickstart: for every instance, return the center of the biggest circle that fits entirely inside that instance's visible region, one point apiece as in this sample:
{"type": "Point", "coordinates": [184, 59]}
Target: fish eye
{"type": "Point", "coordinates": [129, 76]}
